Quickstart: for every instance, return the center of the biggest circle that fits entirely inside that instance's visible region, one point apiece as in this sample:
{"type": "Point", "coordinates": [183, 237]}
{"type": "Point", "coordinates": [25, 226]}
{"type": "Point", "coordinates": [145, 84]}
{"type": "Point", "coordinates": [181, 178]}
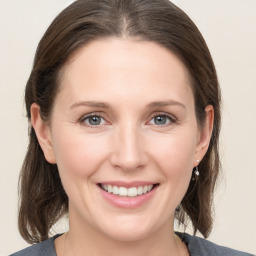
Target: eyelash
{"type": "Point", "coordinates": [86, 117]}
{"type": "Point", "coordinates": [171, 118]}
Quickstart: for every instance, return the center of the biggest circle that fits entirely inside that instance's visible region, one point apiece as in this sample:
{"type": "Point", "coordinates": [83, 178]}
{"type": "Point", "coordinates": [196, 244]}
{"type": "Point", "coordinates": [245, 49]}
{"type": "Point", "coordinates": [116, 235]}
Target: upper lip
{"type": "Point", "coordinates": [127, 184]}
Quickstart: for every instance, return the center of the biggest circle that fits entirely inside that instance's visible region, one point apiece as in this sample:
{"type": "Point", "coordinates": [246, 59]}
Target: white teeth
{"type": "Point", "coordinates": [140, 190]}
{"type": "Point", "coordinates": [110, 190]}
{"type": "Point", "coordinates": [150, 187]}
{"type": "Point", "coordinates": [131, 192]}
{"type": "Point", "coordinates": [115, 190]}
{"type": "Point", "coordinates": [123, 191]}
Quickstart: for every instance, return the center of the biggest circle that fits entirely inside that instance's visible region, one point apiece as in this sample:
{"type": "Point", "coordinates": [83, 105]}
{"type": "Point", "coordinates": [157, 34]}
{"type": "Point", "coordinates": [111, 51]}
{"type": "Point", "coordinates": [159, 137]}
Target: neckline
{"type": "Point", "coordinates": [185, 238]}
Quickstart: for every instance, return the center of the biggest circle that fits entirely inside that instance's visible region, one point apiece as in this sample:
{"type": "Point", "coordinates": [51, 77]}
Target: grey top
{"type": "Point", "coordinates": [196, 246]}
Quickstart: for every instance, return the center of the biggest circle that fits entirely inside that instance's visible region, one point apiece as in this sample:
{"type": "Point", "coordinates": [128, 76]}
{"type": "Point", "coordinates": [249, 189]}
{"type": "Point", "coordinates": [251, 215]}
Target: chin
{"type": "Point", "coordinates": [129, 230]}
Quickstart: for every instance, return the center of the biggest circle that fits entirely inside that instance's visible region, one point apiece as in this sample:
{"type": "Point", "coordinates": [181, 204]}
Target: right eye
{"type": "Point", "coordinates": [93, 120]}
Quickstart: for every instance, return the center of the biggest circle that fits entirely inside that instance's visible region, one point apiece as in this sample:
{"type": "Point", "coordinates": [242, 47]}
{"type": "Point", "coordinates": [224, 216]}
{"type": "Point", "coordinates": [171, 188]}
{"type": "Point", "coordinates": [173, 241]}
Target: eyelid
{"type": "Point", "coordinates": [86, 116]}
{"type": "Point", "coordinates": [172, 118]}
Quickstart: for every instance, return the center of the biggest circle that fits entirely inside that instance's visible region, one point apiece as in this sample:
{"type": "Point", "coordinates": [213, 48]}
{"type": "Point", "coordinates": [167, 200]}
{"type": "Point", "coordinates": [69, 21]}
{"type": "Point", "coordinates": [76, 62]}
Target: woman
{"type": "Point", "coordinates": [124, 106]}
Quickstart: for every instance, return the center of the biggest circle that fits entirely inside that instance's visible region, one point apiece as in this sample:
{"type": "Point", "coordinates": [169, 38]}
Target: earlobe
{"type": "Point", "coordinates": [205, 134]}
{"type": "Point", "coordinates": [43, 133]}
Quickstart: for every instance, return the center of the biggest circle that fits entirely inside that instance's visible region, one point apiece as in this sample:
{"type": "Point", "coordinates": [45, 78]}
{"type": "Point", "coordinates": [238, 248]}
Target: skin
{"type": "Point", "coordinates": [129, 77]}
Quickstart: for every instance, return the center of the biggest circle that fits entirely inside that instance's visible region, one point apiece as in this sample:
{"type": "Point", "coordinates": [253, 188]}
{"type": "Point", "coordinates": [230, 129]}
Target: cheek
{"type": "Point", "coordinates": [78, 155]}
{"type": "Point", "coordinates": [174, 154]}
{"type": "Point", "coordinates": [174, 158]}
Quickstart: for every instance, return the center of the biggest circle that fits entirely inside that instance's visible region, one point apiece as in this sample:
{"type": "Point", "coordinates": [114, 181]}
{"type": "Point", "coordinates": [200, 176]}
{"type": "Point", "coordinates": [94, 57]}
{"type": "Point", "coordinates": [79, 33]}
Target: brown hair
{"type": "Point", "coordinates": [42, 198]}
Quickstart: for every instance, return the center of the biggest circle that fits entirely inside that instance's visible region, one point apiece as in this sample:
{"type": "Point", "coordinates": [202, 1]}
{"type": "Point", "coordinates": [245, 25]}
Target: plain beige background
{"type": "Point", "coordinates": [229, 27]}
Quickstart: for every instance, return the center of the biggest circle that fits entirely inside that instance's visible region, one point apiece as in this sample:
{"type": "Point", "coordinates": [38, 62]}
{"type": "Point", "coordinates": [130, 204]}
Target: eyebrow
{"type": "Point", "coordinates": [165, 103]}
{"type": "Point", "coordinates": [98, 104]}
{"type": "Point", "coordinates": [90, 104]}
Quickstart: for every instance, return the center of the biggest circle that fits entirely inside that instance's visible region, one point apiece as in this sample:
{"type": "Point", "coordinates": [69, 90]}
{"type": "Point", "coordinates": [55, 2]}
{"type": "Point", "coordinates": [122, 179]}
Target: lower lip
{"type": "Point", "coordinates": [128, 202]}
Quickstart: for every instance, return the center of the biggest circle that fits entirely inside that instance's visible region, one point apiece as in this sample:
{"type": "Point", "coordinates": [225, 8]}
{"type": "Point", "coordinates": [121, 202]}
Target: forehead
{"type": "Point", "coordinates": [120, 66]}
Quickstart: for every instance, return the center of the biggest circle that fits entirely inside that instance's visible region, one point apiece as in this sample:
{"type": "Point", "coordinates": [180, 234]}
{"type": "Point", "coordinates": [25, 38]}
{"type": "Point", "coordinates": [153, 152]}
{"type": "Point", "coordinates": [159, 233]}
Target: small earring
{"type": "Point", "coordinates": [196, 172]}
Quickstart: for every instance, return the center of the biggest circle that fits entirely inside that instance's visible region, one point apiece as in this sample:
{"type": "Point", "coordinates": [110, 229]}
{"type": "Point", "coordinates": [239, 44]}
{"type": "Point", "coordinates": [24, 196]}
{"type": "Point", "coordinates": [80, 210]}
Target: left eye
{"type": "Point", "coordinates": [94, 120]}
{"type": "Point", "coordinates": [161, 120]}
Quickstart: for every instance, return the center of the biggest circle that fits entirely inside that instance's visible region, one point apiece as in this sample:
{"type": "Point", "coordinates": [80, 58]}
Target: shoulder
{"type": "Point", "coordinates": [41, 249]}
{"type": "Point", "coordinates": [201, 247]}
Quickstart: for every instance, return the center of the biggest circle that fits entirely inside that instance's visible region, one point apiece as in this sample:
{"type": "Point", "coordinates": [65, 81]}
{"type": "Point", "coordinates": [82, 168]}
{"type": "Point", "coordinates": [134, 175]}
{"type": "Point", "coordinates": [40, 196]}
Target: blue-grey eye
{"type": "Point", "coordinates": [160, 120]}
{"type": "Point", "coordinates": [94, 120]}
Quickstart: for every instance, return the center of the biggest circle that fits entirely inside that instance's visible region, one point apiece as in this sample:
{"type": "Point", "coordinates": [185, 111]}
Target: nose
{"type": "Point", "coordinates": [129, 152]}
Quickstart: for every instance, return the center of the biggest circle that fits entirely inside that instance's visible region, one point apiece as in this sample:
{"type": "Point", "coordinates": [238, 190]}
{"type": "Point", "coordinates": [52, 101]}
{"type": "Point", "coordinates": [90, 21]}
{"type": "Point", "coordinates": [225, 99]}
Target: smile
{"type": "Point", "coordinates": [127, 192]}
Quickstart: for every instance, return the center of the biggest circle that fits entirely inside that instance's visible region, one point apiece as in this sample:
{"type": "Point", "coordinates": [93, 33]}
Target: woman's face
{"type": "Point", "coordinates": [124, 135]}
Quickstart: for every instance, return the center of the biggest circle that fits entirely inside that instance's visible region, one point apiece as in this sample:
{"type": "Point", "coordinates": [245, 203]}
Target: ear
{"type": "Point", "coordinates": [204, 135]}
{"type": "Point", "coordinates": [43, 133]}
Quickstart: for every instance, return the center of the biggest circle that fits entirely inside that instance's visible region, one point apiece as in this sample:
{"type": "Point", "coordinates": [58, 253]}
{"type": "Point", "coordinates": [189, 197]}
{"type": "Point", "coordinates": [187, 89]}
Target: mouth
{"type": "Point", "coordinates": [123, 191]}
